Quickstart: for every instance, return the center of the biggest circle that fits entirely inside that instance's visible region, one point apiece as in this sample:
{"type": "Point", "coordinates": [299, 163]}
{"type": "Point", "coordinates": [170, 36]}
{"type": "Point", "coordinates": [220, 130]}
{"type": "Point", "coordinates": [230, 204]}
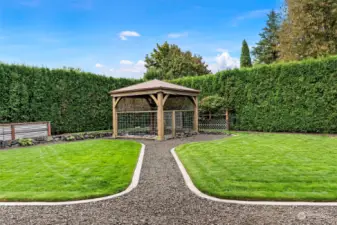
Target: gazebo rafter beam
{"type": "Point", "coordinates": [165, 98]}
{"type": "Point", "coordinates": [151, 103]}
{"type": "Point", "coordinates": [117, 100]}
{"type": "Point", "coordinates": [154, 99]}
{"type": "Point", "coordinates": [194, 100]}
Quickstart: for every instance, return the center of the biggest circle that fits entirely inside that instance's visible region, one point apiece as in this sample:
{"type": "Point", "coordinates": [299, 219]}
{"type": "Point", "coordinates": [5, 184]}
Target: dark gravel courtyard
{"type": "Point", "coordinates": [162, 197]}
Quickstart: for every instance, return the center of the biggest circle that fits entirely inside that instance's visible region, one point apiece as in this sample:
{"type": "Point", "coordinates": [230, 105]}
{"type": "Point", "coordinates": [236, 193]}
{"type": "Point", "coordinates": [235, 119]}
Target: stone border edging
{"type": "Point", "coordinates": [196, 191]}
{"type": "Point", "coordinates": [134, 183]}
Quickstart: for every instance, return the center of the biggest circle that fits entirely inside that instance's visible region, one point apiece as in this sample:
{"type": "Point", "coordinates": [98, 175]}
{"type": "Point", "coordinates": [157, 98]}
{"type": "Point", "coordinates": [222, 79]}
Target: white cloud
{"type": "Point", "coordinates": [124, 34]}
{"type": "Point", "coordinates": [98, 65]}
{"type": "Point", "coordinates": [127, 69]}
{"type": "Point", "coordinates": [250, 15]}
{"type": "Point", "coordinates": [140, 63]}
{"type": "Point", "coordinates": [178, 35]}
{"type": "Point", "coordinates": [139, 67]}
{"type": "Point", "coordinates": [126, 62]}
{"type": "Point", "coordinates": [224, 61]}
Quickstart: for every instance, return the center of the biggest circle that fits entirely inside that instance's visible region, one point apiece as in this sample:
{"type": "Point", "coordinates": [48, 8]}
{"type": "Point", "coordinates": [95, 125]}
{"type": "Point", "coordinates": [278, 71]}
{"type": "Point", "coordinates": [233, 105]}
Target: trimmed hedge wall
{"type": "Point", "coordinates": [73, 101]}
{"type": "Point", "coordinates": [292, 97]}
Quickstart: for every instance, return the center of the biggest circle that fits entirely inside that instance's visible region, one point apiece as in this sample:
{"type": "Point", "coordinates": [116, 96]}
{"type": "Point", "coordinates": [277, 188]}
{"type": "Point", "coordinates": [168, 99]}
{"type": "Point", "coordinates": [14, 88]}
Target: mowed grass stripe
{"type": "Point", "coordinates": [69, 171]}
{"type": "Point", "coordinates": [264, 166]}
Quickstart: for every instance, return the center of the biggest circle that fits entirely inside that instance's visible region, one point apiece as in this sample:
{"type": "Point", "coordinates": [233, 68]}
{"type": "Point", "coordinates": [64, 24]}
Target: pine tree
{"type": "Point", "coordinates": [245, 60]}
{"type": "Point", "coordinates": [266, 50]}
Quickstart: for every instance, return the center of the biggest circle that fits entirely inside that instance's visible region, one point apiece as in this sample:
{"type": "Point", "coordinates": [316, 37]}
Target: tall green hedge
{"type": "Point", "coordinates": [292, 97]}
{"type": "Point", "coordinates": [73, 101]}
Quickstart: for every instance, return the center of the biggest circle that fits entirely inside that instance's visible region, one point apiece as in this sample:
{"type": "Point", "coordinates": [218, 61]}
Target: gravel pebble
{"type": "Point", "coordinates": [162, 197]}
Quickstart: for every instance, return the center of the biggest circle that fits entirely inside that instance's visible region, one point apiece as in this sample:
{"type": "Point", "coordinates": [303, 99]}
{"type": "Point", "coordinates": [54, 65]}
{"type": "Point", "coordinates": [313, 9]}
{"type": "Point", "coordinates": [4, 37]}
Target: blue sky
{"type": "Point", "coordinates": [112, 37]}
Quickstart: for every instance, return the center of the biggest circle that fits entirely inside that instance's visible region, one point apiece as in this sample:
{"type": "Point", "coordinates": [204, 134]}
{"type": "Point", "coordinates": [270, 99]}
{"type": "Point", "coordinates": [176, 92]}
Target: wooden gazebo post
{"type": "Point", "coordinates": [196, 114]}
{"type": "Point", "coordinates": [114, 118]}
{"type": "Point", "coordinates": [115, 101]}
{"type": "Point", "coordinates": [160, 116]}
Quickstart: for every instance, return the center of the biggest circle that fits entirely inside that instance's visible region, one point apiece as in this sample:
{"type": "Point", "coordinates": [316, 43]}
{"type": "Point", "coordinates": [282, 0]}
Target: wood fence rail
{"type": "Point", "coordinates": [14, 131]}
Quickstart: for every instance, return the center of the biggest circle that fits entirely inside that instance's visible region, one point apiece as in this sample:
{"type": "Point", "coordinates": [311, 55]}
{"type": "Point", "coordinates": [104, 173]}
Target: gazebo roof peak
{"type": "Point", "coordinates": [154, 86]}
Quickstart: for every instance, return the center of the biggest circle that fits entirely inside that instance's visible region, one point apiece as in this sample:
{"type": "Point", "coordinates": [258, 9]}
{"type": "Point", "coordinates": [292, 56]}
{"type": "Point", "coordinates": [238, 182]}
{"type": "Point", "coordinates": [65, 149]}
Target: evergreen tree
{"type": "Point", "coordinates": [245, 60]}
{"type": "Point", "coordinates": [266, 50]}
{"type": "Point", "coordinates": [309, 29]}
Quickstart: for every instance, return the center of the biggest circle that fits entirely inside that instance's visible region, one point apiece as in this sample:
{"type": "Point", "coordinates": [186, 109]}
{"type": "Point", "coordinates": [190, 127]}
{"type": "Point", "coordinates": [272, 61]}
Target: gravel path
{"type": "Point", "coordinates": [162, 197]}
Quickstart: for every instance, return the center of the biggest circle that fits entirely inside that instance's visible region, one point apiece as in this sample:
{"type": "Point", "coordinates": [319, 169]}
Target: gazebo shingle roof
{"type": "Point", "coordinates": [154, 85]}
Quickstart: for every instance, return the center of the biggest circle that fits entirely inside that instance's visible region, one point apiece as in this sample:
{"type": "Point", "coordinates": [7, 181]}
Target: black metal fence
{"type": "Point", "coordinates": [144, 123]}
{"type": "Point", "coordinates": [209, 122]}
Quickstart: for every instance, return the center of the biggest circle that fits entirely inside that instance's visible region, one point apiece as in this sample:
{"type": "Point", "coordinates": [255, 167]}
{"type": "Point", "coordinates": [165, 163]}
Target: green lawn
{"type": "Point", "coordinates": [264, 167]}
{"type": "Point", "coordinates": [77, 170]}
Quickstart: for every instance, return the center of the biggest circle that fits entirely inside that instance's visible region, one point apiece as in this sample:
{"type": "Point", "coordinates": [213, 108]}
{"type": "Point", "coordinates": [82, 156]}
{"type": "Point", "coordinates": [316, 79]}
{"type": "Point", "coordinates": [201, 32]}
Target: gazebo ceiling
{"type": "Point", "coordinates": [152, 87]}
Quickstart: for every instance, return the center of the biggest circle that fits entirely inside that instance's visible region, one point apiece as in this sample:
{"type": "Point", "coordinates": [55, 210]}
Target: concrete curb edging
{"type": "Point", "coordinates": [196, 191]}
{"type": "Point", "coordinates": [134, 183]}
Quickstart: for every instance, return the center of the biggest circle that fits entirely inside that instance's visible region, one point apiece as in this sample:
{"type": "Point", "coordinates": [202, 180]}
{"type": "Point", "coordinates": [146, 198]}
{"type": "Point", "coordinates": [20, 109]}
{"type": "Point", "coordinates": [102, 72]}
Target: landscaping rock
{"type": "Point", "coordinates": [212, 132]}
{"type": "Point", "coordinates": [58, 138]}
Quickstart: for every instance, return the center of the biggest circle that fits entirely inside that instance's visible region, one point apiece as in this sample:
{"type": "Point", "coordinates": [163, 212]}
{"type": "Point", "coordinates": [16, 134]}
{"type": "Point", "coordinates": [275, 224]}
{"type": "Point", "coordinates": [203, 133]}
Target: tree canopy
{"type": "Point", "coordinates": [309, 29]}
{"type": "Point", "coordinates": [168, 61]}
{"type": "Point", "coordinates": [266, 50]}
{"type": "Point", "coordinates": [212, 104]}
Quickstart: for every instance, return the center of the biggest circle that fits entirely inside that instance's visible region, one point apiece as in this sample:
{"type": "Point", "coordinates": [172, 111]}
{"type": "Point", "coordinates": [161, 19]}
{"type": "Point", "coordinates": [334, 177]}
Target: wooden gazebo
{"type": "Point", "coordinates": [154, 109]}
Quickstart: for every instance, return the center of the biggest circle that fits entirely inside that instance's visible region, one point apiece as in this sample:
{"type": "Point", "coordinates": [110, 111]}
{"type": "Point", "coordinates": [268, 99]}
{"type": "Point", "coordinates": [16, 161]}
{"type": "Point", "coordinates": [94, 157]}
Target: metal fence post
{"type": "Point", "coordinates": [173, 123]}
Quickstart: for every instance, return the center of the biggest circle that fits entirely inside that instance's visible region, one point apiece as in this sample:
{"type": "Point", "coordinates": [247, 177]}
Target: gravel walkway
{"type": "Point", "coordinates": [162, 197]}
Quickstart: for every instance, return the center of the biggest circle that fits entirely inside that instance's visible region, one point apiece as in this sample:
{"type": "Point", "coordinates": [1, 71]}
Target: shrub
{"type": "Point", "coordinates": [212, 104]}
{"type": "Point", "coordinates": [26, 142]}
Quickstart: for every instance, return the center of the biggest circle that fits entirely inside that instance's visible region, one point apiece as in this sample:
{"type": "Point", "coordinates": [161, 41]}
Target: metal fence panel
{"type": "Point", "coordinates": [137, 124]}
{"type": "Point", "coordinates": [5, 133]}
{"type": "Point", "coordinates": [212, 122]}
{"type": "Point", "coordinates": [24, 130]}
